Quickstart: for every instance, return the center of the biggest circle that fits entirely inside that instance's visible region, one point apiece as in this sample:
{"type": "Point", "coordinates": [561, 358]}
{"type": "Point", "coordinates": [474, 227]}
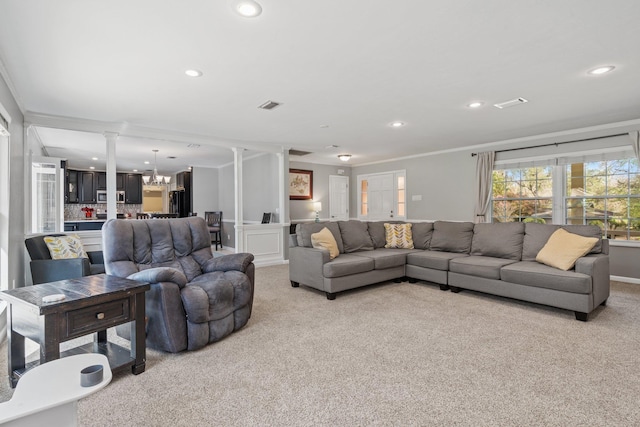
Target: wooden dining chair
{"type": "Point", "coordinates": [214, 223]}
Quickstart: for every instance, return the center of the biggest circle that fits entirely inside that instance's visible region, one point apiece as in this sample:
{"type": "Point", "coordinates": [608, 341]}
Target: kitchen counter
{"type": "Point", "coordinates": [84, 224]}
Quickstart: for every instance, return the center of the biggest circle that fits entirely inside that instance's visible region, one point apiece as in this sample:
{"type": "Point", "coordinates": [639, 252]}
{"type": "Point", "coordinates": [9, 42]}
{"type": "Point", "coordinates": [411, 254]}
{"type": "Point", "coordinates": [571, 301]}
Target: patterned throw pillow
{"type": "Point", "coordinates": [65, 247]}
{"type": "Point", "coordinates": [398, 236]}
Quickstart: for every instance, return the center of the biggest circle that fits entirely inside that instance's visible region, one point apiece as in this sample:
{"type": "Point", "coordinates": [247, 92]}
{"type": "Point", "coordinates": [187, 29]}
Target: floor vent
{"type": "Point", "coordinates": [511, 103]}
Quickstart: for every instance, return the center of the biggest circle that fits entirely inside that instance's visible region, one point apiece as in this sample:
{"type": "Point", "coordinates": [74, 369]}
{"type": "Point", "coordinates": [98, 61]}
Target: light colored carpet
{"type": "Point", "coordinates": [391, 354]}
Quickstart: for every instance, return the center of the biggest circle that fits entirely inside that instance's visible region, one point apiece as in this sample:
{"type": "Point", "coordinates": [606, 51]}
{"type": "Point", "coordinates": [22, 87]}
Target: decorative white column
{"type": "Point", "coordinates": [111, 138]}
{"type": "Point", "coordinates": [239, 214]}
{"type": "Point", "coordinates": [283, 186]}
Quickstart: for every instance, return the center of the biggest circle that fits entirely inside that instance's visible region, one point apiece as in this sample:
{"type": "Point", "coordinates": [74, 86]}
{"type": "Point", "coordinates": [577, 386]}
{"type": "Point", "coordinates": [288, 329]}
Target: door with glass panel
{"type": "Point", "coordinates": [47, 195]}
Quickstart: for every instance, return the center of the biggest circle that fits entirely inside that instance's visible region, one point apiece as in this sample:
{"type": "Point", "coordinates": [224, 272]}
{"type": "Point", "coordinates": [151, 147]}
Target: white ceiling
{"type": "Point", "coordinates": [343, 70]}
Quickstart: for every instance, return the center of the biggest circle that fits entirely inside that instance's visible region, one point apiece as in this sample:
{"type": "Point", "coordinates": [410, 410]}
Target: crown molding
{"type": "Point", "coordinates": [561, 136]}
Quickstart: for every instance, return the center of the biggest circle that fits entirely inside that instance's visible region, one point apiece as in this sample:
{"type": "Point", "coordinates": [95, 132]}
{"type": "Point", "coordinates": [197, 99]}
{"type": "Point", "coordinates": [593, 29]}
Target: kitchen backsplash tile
{"type": "Point", "coordinates": [74, 211]}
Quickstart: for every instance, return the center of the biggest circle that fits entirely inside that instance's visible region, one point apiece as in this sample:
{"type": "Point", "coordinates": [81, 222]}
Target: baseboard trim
{"type": "Point", "coordinates": [625, 279]}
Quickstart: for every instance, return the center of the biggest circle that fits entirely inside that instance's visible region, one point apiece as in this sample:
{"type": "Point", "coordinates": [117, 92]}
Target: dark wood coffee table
{"type": "Point", "coordinates": [91, 305]}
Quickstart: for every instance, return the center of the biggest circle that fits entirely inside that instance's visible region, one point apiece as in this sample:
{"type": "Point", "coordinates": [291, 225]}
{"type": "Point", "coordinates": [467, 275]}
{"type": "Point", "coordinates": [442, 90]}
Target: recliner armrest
{"type": "Point", "coordinates": [160, 274]}
{"type": "Point", "coordinates": [238, 262]}
{"type": "Point", "coordinates": [51, 270]}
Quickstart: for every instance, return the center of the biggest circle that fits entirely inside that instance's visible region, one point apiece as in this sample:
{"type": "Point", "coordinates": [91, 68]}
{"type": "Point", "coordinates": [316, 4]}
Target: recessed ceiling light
{"type": "Point", "coordinates": [193, 73]}
{"type": "Point", "coordinates": [94, 158]}
{"type": "Point", "coordinates": [146, 162]}
{"type": "Point", "coordinates": [248, 8]}
{"type": "Point", "coordinates": [396, 124]}
{"type": "Point", "coordinates": [135, 170]}
{"type": "Point", "coordinates": [601, 70]}
{"type": "Point", "coordinates": [92, 167]}
{"type": "Point", "coordinates": [475, 104]}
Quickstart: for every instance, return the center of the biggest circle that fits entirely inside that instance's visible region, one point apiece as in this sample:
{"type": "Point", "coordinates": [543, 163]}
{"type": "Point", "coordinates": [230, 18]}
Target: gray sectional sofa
{"type": "Point", "coordinates": [498, 259]}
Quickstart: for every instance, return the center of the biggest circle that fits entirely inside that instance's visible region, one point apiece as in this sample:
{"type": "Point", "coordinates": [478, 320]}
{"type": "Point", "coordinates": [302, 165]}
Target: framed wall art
{"type": "Point", "coordinates": [300, 184]}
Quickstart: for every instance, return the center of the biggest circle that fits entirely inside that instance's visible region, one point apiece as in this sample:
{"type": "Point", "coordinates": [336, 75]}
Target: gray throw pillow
{"type": "Point", "coordinates": [449, 236]}
{"type": "Point", "coordinates": [500, 240]}
{"type": "Point", "coordinates": [305, 230]}
{"type": "Point", "coordinates": [355, 236]}
{"type": "Point", "coordinates": [422, 234]}
{"type": "Point", "coordinates": [537, 235]}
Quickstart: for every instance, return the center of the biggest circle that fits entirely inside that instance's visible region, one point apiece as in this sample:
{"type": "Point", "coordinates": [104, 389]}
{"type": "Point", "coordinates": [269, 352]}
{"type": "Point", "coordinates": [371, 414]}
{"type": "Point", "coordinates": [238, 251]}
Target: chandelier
{"type": "Point", "coordinates": [156, 179]}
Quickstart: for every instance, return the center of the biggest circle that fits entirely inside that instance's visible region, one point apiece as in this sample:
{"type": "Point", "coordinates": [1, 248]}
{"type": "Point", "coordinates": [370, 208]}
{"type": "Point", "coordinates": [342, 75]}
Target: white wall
{"type": "Point", "coordinates": [16, 220]}
{"type": "Point", "coordinates": [261, 186]}
{"type": "Point", "coordinates": [204, 190]}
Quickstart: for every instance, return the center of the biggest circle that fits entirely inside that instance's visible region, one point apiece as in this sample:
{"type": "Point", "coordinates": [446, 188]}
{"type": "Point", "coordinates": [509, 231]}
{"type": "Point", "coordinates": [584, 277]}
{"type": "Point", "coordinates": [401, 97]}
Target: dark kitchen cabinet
{"type": "Point", "coordinates": [71, 186]}
{"type": "Point", "coordinates": [101, 180]}
{"type": "Point", "coordinates": [133, 188]}
{"type": "Point", "coordinates": [87, 183]}
{"type": "Point", "coordinates": [120, 181]}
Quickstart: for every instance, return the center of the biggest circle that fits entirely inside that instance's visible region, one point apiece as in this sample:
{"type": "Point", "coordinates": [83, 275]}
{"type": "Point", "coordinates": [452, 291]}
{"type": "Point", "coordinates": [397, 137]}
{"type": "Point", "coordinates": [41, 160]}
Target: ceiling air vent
{"type": "Point", "coordinates": [269, 105]}
{"type": "Point", "coordinates": [511, 103]}
{"type": "Point", "coordinates": [298, 153]}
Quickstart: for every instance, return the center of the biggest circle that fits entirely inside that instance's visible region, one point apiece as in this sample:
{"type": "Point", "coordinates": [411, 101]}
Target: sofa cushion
{"type": "Point", "coordinates": [398, 236]}
{"type": "Point", "coordinates": [531, 273]}
{"type": "Point", "coordinates": [385, 258]}
{"type": "Point", "coordinates": [323, 239]}
{"type": "Point", "coordinates": [500, 240]}
{"type": "Point", "coordinates": [480, 266]}
{"type": "Point", "coordinates": [304, 232]}
{"type": "Point", "coordinates": [563, 249]}
{"type": "Point", "coordinates": [355, 236]}
{"type": "Point", "coordinates": [377, 232]}
{"type": "Point", "coordinates": [422, 233]}
{"type": "Point", "coordinates": [452, 236]}
{"type": "Point", "coordinates": [537, 235]}
{"type": "Point", "coordinates": [433, 259]}
{"type": "Point", "coordinates": [347, 264]}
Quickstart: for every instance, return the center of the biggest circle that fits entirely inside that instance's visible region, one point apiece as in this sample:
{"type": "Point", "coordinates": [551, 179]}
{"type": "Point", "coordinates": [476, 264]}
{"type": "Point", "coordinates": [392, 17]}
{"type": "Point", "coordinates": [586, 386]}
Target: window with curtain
{"type": "Point", "coordinates": [597, 187]}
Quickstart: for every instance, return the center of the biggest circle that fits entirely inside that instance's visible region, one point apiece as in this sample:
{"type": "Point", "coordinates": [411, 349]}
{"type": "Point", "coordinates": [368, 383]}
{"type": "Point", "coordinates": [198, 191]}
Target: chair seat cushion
{"type": "Point", "coordinates": [532, 273]}
{"type": "Point", "coordinates": [433, 259]}
{"type": "Point", "coordinates": [347, 264]}
{"type": "Point", "coordinates": [481, 266]}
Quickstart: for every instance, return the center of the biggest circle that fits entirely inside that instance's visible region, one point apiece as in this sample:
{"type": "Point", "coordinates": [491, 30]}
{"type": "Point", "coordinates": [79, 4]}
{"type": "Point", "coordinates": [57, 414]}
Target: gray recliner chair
{"type": "Point", "coordinates": [195, 299]}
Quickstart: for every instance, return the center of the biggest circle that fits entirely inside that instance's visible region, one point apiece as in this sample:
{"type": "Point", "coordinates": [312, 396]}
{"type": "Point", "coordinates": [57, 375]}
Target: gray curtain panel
{"type": "Point", "coordinates": [635, 142]}
{"type": "Point", "coordinates": [484, 170]}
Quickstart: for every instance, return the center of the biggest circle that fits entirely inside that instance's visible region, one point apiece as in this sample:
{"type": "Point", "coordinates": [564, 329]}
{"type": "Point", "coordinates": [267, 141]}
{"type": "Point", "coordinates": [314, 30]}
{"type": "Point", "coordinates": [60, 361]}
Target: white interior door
{"type": "Point", "coordinates": [339, 197]}
{"type": "Point", "coordinates": [381, 196]}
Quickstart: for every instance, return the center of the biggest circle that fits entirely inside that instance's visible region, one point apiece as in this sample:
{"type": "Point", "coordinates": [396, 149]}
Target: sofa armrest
{"type": "Point", "coordinates": [160, 274]}
{"type": "Point", "coordinates": [596, 266]}
{"type": "Point", "coordinates": [51, 270]}
{"type": "Point", "coordinates": [96, 257]}
{"type": "Point", "coordinates": [293, 240]}
{"type": "Point", "coordinates": [237, 262]}
{"type": "Point", "coordinates": [306, 264]}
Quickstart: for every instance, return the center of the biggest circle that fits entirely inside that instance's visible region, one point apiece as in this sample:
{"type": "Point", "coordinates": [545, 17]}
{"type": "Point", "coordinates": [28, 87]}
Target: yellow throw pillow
{"type": "Point", "coordinates": [563, 249]}
{"type": "Point", "coordinates": [65, 247]}
{"type": "Point", "coordinates": [324, 239]}
{"type": "Point", "coordinates": [398, 236]}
